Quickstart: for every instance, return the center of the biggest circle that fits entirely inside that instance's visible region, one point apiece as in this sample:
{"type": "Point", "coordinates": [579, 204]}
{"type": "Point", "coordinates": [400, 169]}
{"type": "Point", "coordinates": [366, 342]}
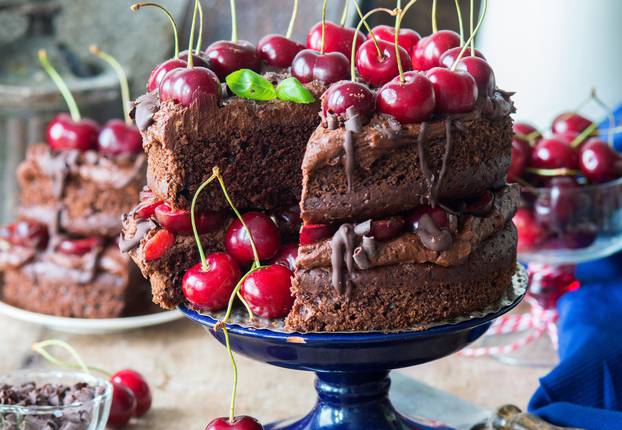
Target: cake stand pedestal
{"type": "Point", "coordinates": [353, 368]}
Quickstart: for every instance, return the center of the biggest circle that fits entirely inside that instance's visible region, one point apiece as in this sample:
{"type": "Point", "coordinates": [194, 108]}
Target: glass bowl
{"type": "Point", "coordinates": [90, 414]}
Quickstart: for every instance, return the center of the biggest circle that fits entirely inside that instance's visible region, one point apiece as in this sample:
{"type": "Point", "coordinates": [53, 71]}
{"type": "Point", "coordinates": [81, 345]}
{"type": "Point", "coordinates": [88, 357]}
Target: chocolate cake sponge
{"type": "Point", "coordinates": [258, 147]}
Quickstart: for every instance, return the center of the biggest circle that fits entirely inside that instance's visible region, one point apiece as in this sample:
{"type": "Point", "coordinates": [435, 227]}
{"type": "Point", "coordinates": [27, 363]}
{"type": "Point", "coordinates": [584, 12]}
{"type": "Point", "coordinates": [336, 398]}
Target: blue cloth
{"type": "Point", "coordinates": [585, 389]}
{"type": "Point", "coordinates": [617, 138]}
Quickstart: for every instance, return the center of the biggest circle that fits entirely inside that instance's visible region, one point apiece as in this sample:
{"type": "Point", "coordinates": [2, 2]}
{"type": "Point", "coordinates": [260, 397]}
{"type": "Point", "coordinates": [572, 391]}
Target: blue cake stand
{"type": "Point", "coordinates": [353, 368]}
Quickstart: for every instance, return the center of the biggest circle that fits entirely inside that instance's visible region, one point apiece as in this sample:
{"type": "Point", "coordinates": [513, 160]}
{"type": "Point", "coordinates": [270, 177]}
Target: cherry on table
{"type": "Point", "coordinates": [242, 422]}
{"type": "Point", "coordinates": [209, 288]}
{"type": "Point", "coordinates": [378, 70]}
{"type": "Point", "coordinates": [309, 65]}
{"type": "Point", "coordinates": [438, 215]}
{"type": "Point", "coordinates": [410, 101]}
{"type": "Point", "coordinates": [123, 406]}
{"type": "Point", "coordinates": [265, 235]}
{"type": "Point", "coordinates": [337, 38]}
{"type": "Point", "coordinates": [387, 229]}
{"type": "Point", "coordinates": [482, 73]}
{"type": "Point", "coordinates": [64, 133]}
{"type": "Point", "coordinates": [226, 57]}
{"type": "Point", "coordinates": [455, 91]}
{"type": "Point", "coordinates": [161, 70]}
{"type": "Point", "coordinates": [407, 37]}
{"type": "Point", "coordinates": [345, 94]}
{"type": "Point", "coordinates": [521, 154]}
{"type": "Point", "coordinates": [25, 233]}
{"type": "Point", "coordinates": [183, 86]}
{"type": "Point", "coordinates": [137, 384]}
{"type": "Point", "coordinates": [118, 138]}
{"type": "Point", "coordinates": [158, 245]}
{"type": "Point", "coordinates": [570, 121]}
{"type": "Point", "coordinates": [449, 57]}
{"type": "Point", "coordinates": [428, 51]}
{"type": "Point", "coordinates": [286, 256]}
{"type": "Point", "coordinates": [312, 233]}
{"type": "Point", "coordinates": [179, 221]}
{"type": "Point", "coordinates": [78, 246]}
{"type": "Point", "coordinates": [278, 51]}
{"type": "Point", "coordinates": [553, 154]}
{"type": "Point", "coordinates": [268, 291]}
{"type": "Point", "coordinates": [599, 162]}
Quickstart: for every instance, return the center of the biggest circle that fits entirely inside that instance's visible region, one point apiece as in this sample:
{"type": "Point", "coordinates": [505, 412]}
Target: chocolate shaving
{"type": "Point", "coordinates": [369, 246]}
{"type": "Point", "coordinates": [431, 236]}
{"type": "Point", "coordinates": [363, 229]}
{"type": "Point", "coordinates": [360, 258]}
{"type": "Point", "coordinates": [143, 227]}
{"type": "Point", "coordinates": [342, 245]}
{"type": "Point", "coordinates": [332, 122]}
{"type": "Point", "coordinates": [354, 122]}
{"type": "Point", "coordinates": [143, 110]}
{"type": "Point", "coordinates": [348, 148]}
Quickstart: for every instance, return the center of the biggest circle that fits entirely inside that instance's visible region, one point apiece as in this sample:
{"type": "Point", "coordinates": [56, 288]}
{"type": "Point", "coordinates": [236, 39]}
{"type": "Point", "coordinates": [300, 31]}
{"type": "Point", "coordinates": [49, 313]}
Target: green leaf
{"type": "Point", "coordinates": [291, 90]}
{"type": "Point", "coordinates": [250, 85]}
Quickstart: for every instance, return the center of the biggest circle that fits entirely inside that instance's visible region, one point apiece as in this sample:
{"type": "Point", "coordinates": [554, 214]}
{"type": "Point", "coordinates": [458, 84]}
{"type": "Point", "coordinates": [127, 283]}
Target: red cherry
{"type": "Point", "coordinates": [268, 291]}
{"type": "Point", "coordinates": [345, 94]}
{"type": "Point", "coordinates": [309, 65]}
{"type": "Point", "coordinates": [524, 129]}
{"type": "Point", "coordinates": [123, 406]}
{"type": "Point", "coordinates": [210, 288]}
{"type": "Point", "coordinates": [376, 70]}
{"type": "Point", "coordinates": [555, 208]}
{"type": "Point", "coordinates": [553, 154]}
{"type": "Point", "coordinates": [179, 221]}
{"type": "Point", "coordinates": [455, 92]}
{"type": "Point", "coordinates": [135, 382]}
{"type": "Point", "coordinates": [226, 57]}
{"type": "Point", "coordinates": [481, 72]}
{"type": "Point", "coordinates": [567, 137]}
{"type": "Point", "coordinates": [287, 256]}
{"type": "Point", "coordinates": [161, 70]}
{"type": "Point", "coordinates": [521, 154]}
{"type": "Point", "coordinates": [337, 38]}
{"type": "Point", "coordinates": [438, 215]}
{"type": "Point", "coordinates": [410, 101]}
{"type": "Point", "coordinates": [264, 232]}
{"type": "Point", "coordinates": [570, 121]}
{"type": "Point", "coordinates": [530, 234]}
{"type": "Point", "coordinates": [198, 60]}
{"type": "Point", "coordinates": [387, 229]}
{"type": "Point", "coordinates": [428, 51]}
{"type": "Point", "coordinates": [78, 246]}
{"type": "Point", "coordinates": [278, 51]}
{"type": "Point", "coordinates": [312, 233]}
{"type": "Point", "coordinates": [146, 209]}
{"type": "Point", "coordinates": [158, 244]}
{"type": "Point", "coordinates": [449, 57]}
{"type": "Point", "coordinates": [239, 423]}
{"type": "Point", "coordinates": [64, 133]}
{"type": "Point", "coordinates": [599, 162]}
{"type": "Point", "coordinates": [288, 221]}
{"type": "Point", "coordinates": [183, 86]}
{"type": "Point", "coordinates": [407, 38]}
{"type": "Point", "coordinates": [118, 138]}
{"type": "Point", "coordinates": [25, 233]}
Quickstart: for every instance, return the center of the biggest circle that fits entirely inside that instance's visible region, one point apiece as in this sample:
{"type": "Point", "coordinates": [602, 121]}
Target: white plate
{"type": "Point", "coordinates": [89, 326]}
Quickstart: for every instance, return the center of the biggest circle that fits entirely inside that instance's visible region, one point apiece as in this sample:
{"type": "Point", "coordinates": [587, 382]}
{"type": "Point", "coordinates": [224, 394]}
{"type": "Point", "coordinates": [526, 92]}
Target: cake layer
{"type": "Point", "coordinates": [401, 296]}
{"type": "Point", "coordinates": [258, 147]}
{"type": "Point", "coordinates": [387, 167]}
{"type": "Point", "coordinates": [81, 193]}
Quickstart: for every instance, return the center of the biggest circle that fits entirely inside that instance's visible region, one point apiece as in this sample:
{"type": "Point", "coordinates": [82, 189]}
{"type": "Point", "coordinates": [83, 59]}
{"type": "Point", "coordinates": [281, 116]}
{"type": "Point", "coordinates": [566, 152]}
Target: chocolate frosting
{"type": "Point", "coordinates": [433, 237]}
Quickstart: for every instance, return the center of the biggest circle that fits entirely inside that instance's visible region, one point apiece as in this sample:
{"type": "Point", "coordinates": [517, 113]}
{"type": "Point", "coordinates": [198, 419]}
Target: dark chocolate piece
{"type": "Point", "coordinates": [143, 110]}
{"type": "Point", "coordinates": [431, 236]}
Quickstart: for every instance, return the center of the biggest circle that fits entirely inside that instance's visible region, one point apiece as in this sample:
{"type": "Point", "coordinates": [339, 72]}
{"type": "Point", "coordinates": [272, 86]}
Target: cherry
{"type": "Point", "coordinates": [530, 234]}
{"type": "Point", "coordinates": [410, 101]}
{"type": "Point", "coordinates": [455, 91]}
{"type": "Point", "coordinates": [549, 283]}
{"type": "Point", "coordinates": [135, 382]}
{"type": "Point", "coordinates": [449, 57]}
{"type": "Point", "coordinates": [268, 291]}
{"type": "Point", "coordinates": [524, 129]}
{"type": "Point", "coordinates": [265, 235]}
{"type": "Point", "coordinates": [481, 72]}
{"type": "Point", "coordinates": [337, 38]}
{"type": "Point", "coordinates": [312, 233]}
{"type": "Point", "coordinates": [25, 233]}
{"type": "Point", "coordinates": [209, 288]}
{"type": "Point", "coordinates": [287, 256]}
{"type": "Point", "coordinates": [198, 60]}
{"type": "Point", "coordinates": [226, 57]}
{"type": "Point", "coordinates": [428, 51]}
{"type": "Point", "coordinates": [438, 215]}
{"type": "Point", "coordinates": [288, 221]}
{"type": "Point", "coordinates": [161, 70]}
{"type": "Point", "coordinates": [123, 406]}
{"type": "Point", "coordinates": [278, 51]}
{"type": "Point", "coordinates": [521, 154]}
{"type": "Point", "coordinates": [570, 121]}
{"type": "Point", "coordinates": [146, 209]}
{"type": "Point", "coordinates": [567, 137]}
{"type": "Point", "coordinates": [553, 154]}
{"type": "Point", "coordinates": [345, 94]}
{"type": "Point", "coordinates": [555, 208]}
{"type": "Point", "coordinates": [480, 205]}
{"type": "Point", "coordinates": [387, 229]}
{"type": "Point", "coordinates": [185, 85]}
{"type": "Point", "coordinates": [599, 162]}
{"type": "Point", "coordinates": [179, 221]}
{"type": "Point", "coordinates": [309, 65]}
{"type": "Point", "coordinates": [64, 133]}
{"type": "Point", "coordinates": [118, 138]}
{"type": "Point", "coordinates": [407, 38]}
{"type": "Point", "coordinates": [78, 246]}
{"type": "Point", "coordinates": [378, 70]}
{"type": "Point", "coordinates": [158, 244]}
{"type": "Point", "coordinates": [239, 423]}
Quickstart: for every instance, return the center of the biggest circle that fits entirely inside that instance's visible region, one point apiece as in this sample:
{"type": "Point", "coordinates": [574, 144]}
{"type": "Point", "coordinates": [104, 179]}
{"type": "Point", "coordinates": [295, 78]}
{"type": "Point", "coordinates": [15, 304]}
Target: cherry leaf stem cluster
{"type": "Point", "coordinates": [61, 85]}
{"type": "Point", "coordinates": [584, 135]}
{"type": "Point", "coordinates": [471, 22]}
{"type": "Point", "coordinates": [137, 6]}
{"type": "Point", "coordinates": [356, 33]}
{"type": "Point", "coordinates": [471, 36]}
{"type": "Point", "coordinates": [121, 75]}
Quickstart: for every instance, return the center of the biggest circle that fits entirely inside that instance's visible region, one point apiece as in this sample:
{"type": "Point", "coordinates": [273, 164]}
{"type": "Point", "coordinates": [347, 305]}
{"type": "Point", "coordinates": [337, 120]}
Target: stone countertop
{"type": "Point", "coordinates": [190, 374]}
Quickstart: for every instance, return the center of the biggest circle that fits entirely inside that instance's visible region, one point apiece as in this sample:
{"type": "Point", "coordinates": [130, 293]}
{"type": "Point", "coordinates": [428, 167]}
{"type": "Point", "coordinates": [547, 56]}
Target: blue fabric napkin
{"type": "Point", "coordinates": [585, 389]}
{"type": "Point", "coordinates": [604, 125]}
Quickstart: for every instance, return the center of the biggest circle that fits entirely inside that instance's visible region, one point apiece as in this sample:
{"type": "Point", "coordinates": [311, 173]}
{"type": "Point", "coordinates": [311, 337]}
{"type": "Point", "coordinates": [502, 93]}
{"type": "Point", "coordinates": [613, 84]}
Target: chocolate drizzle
{"type": "Point", "coordinates": [143, 227]}
{"type": "Point", "coordinates": [342, 245]}
{"type": "Point", "coordinates": [431, 236]}
{"type": "Point", "coordinates": [143, 110]}
{"type": "Point", "coordinates": [438, 179]}
{"type": "Point", "coordinates": [353, 124]}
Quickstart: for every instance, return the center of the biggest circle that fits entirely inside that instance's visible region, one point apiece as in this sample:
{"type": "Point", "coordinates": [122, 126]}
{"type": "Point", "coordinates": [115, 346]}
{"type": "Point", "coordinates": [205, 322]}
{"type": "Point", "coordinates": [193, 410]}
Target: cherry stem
{"type": "Point", "coordinates": [460, 23]}
{"type": "Point", "coordinates": [608, 111]}
{"type": "Point", "coordinates": [60, 84]}
{"type": "Point", "coordinates": [345, 13]}
{"type": "Point", "coordinates": [137, 6]}
{"type": "Point", "coordinates": [292, 20]}
{"type": "Point", "coordinates": [200, 36]}
{"type": "Point", "coordinates": [530, 138]}
{"type": "Point", "coordinates": [471, 21]}
{"type": "Point", "coordinates": [41, 349]}
{"type": "Point", "coordinates": [195, 230]}
{"type": "Point", "coordinates": [323, 27]}
{"type": "Point", "coordinates": [434, 21]}
{"type": "Point", "coordinates": [553, 172]}
{"type": "Point", "coordinates": [584, 135]}
{"type": "Point", "coordinates": [234, 390]}
{"type": "Point", "coordinates": [234, 23]}
{"type": "Point", "coordinates": [369, 30]}
{"type": "Point", "coordinates": [471, 37]}
{"type": "Point", "coordinates": [398, 25]}
{"type": "Point", "coordinates": [356, 32]}
{"type": "Point", "coordinates": [121, 75]}
{"type": "Point", "coordinates": [191, 41]}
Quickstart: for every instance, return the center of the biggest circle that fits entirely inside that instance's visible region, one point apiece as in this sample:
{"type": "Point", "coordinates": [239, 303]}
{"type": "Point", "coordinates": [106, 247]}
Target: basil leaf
{"type": "Point", "coordinates": [291, 90]}
{"type": "Point", "coordinates": [250, 85]}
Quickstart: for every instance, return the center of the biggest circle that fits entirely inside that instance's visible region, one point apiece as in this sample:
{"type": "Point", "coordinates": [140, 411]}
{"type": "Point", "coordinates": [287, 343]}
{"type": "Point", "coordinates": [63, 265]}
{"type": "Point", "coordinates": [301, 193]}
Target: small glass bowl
{"type": "Point", "coordinates": [88, 415]}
